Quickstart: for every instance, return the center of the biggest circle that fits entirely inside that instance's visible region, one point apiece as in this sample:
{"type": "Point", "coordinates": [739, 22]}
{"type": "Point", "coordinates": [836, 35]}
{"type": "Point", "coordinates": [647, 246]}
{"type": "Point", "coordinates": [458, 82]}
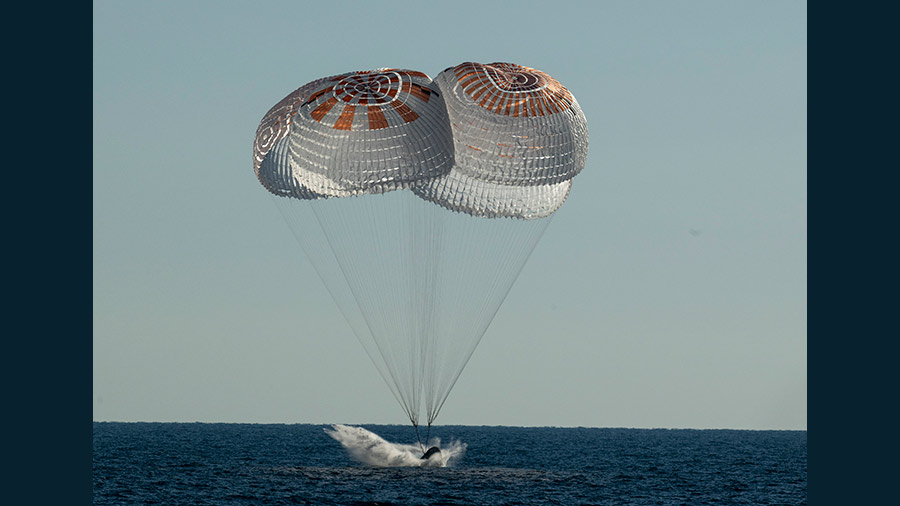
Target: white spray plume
{"type": "Point", "coordinates": [369, 448]}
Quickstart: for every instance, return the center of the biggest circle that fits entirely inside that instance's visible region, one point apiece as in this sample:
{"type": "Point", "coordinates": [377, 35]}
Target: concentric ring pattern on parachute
{"type": "Point", "coordinates": [357, 133]}
{"type": "Point", "coordinates": [273, 171]}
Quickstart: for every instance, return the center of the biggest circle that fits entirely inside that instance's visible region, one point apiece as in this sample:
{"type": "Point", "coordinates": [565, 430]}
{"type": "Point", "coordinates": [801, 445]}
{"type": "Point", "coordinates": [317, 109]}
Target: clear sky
{"type": "Point", "coordinates": [669, 290]}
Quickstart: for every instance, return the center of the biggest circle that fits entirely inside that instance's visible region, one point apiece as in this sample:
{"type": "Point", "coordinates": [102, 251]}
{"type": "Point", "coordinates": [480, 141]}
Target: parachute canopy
{"type": "Point", "coordinates": [419, 202]}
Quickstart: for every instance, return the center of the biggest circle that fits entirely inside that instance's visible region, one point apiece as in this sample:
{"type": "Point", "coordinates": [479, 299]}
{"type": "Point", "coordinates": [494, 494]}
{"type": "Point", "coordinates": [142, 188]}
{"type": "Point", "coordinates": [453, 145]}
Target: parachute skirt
{"type": "Point", "coordinates": [466, 194]}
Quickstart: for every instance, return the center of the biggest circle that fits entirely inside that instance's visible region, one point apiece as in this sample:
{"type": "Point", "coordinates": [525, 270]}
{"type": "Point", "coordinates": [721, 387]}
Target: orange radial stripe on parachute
{"type": "Point", "coordinates": [501, 104]}
{"type": "Point", "coordinates": [565, 98]}
{"type": "Point", "coordinates": [494, 97]}
{"type": "Point", "coordinates": [554, 99]}
{"type": "Point", "coordinates": [548, 101]}
{"type": "Point", "coordinates": [415, 73]}
{"type": "Point", "coordinates": [512, 105]}
{"type": "Point", "coordinates": [471, 81]}
{"type": "Point", "coordinates": [416, 90]}
{"type": "Point", "coordinates": [406, 113]}
{"type": "Point", "coordinates": [478, 91]}
{"type": "Point", "coordinates": [526, 105]}
{"type": "Point", "coordinates": [485, 98]}
{"type": "Point", "coordinates": [536, 105]}
{"type": "Point", "coordinates": [464, 69]}
{"type": "Point", "coordinates": [463, 76]}
{"type": "Point", "coordinates": [376, 118]}
{"type": "Point", "coordinates": [422, 92]}
{"type": "Point", "coordinates": [345, 121]}
{"type": "Point", "coordinates": [319, 112]}
{"type": "Point", "coordinates": [545, 103]}
{"type": "Point", "coordinates": [539, 103]}
{"type": "Point", "coordinates": [315, 96]}
{"type": "Point", "coordinates": [346, 97]}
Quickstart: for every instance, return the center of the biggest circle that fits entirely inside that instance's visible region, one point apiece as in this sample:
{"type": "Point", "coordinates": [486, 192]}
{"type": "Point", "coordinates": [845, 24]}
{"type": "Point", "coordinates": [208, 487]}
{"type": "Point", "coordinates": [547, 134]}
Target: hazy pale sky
{"type": "Point", "coordinates": [669, 290]}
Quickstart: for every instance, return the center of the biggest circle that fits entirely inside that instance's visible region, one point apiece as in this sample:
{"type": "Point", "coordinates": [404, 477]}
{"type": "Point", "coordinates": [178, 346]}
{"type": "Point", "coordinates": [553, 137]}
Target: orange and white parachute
{"type": "Point", "coordinates": [497, 140]}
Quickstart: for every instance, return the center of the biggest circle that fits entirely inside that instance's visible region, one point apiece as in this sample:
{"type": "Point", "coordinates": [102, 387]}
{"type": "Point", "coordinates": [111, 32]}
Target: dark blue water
{"type": "Point", "coordinates": [250, 464]}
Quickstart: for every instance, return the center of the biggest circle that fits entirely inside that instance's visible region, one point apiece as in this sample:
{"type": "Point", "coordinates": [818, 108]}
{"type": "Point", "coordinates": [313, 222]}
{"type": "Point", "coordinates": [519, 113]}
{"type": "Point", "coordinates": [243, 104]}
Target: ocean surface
{"type": "Point", "coordinates": [262, 464]}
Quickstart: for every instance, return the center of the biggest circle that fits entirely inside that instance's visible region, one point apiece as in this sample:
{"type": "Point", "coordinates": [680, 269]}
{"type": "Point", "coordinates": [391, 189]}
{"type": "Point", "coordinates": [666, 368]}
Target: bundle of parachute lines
{"type": "Point", "coordinates": [495, 141]}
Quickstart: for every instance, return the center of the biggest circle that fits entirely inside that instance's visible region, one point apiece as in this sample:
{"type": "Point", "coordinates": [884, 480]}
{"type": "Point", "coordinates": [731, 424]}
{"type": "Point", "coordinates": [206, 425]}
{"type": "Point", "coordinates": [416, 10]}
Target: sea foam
{"type": "Point", "coordinates": [369, 448]}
